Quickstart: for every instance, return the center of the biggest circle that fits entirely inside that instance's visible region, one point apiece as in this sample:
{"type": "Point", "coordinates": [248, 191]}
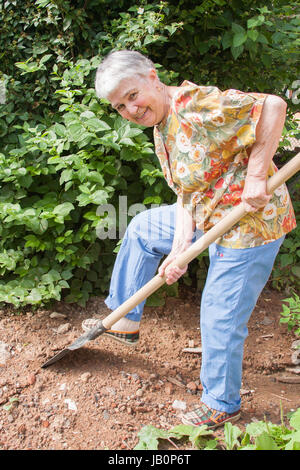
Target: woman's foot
{"type": "Point", "coordinates": [203, 415]}
{"type": "Point", "coordinates": [125, 331]}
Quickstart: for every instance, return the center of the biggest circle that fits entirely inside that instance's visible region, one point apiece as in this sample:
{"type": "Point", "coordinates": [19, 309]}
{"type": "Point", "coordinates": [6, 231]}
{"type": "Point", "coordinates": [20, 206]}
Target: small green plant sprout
{"type": "Point", "coordinates": [14, 401]}
{"type": "Point", "coordinates": [291, 313]}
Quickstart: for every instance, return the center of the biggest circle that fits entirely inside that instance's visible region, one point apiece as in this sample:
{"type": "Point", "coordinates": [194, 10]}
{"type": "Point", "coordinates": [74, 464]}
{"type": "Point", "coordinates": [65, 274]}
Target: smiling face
{"type": "Point", "coordinates": [141, 100]}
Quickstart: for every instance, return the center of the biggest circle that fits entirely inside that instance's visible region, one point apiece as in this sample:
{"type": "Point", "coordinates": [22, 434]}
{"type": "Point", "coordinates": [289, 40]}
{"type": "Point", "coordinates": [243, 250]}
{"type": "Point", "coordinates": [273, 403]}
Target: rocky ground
{"type": "Point", "coordinates": [100, 396]}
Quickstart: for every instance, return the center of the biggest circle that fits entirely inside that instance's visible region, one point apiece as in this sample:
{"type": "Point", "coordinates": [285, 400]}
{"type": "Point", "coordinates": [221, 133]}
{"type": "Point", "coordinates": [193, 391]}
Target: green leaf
{"type": "Point", "coordinates": [96, 124]}
{"type": "Point", "coordinates": [67, 23]}
{"type": "Point", "coordinates": [99, 197]}
{"type": "Point", "coordinates": [34, 296]}
{"type": "Point", "coordinates": [236, 28]}
{"type": "Point", "coordinates": [237, 51]}
{"type": "Point", "coordinates": [231, 433]}
{"type": "Point", "coordinates": [66, 175]}
{"type": "Point", "coordinates": [227, 40]}
{"type": "Point", "coordinates": [63, 209]}
{"type": "Point", "coordinates": [45, 58]}
{"type": "Point", "coordinates": [286, 259]}
{"type": "Point", "coordinates": [262, 39]}
{"type": "Point", "coordinates": [239, 39]}
{"type": "Point", "coordinates": [253, 34]}
{"type": "Point", "coordinates": [149, 438]}
{"type": "Point", "coordinates": [95, 177]}
{"type": "Point", "coordinates": [296, 270]}
{"type": "Point", "coordinates": [295, 420]}
{"type": "Point", "coordinates": [265, 442]}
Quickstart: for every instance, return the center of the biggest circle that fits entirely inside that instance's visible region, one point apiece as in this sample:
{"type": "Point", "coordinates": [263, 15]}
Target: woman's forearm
{"type": "Point", "coordinates": [185, 227]}
{"type": "Point", "coordinates": [268, 133]}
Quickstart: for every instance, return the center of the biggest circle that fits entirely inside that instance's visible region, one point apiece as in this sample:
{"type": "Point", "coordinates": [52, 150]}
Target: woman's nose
{"type": "Point", "coordinates": [132, 109]}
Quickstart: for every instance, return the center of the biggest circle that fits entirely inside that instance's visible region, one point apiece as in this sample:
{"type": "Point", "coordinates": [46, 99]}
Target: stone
{"type": "Point", "coordinates": [179, 405]}
{"type": "Point", "coordinates": [169, 388]}
{"type": "Point", "coordinates": [57, 315]}
{"type": "Point", "coordinates": [64, 328]}
{"type": "Point", "coordinates": [31, 379]}
{"type": "Point", "coordinates": [4, 353]}
{"type": "Point", "coordinates": [85, 376]}
{"type": "Point", "coordinates": [296, 344]}
{"type": "Point", "coordinates": [296, 357]}
{"type": "Point", "coordinates": [71, 404]}
{"type": "Point", "coordinates": [192, 386]}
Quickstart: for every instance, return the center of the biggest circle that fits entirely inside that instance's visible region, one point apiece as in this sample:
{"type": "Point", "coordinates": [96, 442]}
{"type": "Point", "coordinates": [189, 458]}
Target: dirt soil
{"type": "Point", "coordinates": [100, 396]}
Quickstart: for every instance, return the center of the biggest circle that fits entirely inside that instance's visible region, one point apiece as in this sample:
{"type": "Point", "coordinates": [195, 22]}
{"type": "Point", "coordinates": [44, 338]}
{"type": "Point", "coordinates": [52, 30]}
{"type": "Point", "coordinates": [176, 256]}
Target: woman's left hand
{"type": "Point", "coordinates": [255, 194]}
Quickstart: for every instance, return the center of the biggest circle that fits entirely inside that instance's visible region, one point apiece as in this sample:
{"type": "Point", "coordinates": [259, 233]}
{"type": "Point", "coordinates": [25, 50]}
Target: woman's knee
{"type": "Point", "coordinates": [138, 226]}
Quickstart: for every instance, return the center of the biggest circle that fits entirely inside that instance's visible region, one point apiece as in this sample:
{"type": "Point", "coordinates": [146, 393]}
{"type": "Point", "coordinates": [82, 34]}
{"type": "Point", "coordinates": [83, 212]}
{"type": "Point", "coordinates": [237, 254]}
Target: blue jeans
{"type": "Point", "coordinates": [234, 282]}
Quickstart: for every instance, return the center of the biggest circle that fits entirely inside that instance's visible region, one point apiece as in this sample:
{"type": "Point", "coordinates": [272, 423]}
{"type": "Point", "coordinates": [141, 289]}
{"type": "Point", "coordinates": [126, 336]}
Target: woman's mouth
{"type": "Point", "coordinates": [141, 115]}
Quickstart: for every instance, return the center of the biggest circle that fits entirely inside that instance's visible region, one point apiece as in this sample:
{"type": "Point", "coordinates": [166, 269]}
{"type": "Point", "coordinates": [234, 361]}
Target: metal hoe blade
{"type": "Point", "coordinates": [93, 333]}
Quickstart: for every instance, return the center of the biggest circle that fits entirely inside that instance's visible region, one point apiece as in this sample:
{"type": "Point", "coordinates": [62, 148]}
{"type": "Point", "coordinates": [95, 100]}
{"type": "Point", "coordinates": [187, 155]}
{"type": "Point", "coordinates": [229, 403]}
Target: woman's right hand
{"type": "Point", "coordinates": [170, 269]}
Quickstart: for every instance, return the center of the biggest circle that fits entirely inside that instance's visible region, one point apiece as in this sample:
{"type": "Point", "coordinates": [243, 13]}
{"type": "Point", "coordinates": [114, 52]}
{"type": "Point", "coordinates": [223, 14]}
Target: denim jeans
{"type": "Point", "coordinates": [234, 282]}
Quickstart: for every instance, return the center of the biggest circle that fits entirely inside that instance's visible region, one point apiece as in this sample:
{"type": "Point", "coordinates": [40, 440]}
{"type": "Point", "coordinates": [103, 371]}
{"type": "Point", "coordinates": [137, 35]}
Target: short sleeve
{"type": "Point", "coordinates": [224, 118]}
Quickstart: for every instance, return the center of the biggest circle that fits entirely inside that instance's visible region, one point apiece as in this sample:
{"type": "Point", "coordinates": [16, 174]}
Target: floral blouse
{"type": "Point", "coordinates": [202, 148]}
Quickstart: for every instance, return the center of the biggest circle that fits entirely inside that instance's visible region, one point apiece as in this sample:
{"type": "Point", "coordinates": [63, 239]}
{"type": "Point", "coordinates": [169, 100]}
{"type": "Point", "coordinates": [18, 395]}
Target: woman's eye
{"type": "Point", "coordinates": [133, 95]}
{"type": "Point", "coordinates": [120, 108]}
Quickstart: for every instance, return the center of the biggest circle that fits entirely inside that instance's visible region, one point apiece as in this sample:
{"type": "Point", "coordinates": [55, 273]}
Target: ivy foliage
{"type": "Point", "coordinates": [64, 153]}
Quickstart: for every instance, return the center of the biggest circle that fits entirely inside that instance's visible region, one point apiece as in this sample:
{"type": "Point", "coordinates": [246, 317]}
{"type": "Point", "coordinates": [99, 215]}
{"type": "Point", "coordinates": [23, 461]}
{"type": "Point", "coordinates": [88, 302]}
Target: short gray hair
{"type": "Point", "coordinates": [117, 66]}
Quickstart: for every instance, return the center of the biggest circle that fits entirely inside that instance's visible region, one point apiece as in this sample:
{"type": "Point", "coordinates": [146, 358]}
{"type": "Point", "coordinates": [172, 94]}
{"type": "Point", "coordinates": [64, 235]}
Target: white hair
{"type": "Point", "coordinates": [117, 66]}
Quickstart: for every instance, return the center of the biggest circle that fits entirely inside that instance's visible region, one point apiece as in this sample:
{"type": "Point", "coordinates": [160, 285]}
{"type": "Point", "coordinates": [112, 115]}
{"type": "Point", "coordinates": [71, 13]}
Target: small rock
{"type": "Point", "coordinates": [192, 386]}
{"type": "Point", "coordinates": [71, 404]}
{"type": "Point", "coordinates": [179, 405]}
{"type": "Point", "coordinates": [266, 321]}
{"type": "Point", "coordinates": [295, 370]}
{"type": "Point", "coordinates": [296, 357]}
{"type": "Point", "coordinates": [4, 352]}
{"type": "Point", "coordinates": [31, 379]}
{"type": "Point", "coordinates": [296, 344]}
{"type": "Point", "coordinates": [64, 328]}
{"type": "Point", "coordinates": [244, 391]}
{"type": "Point", "coordinates": [193, 350]}
{"type": "Point", "coordinates": [153, 377]}
{"type": "Point", "coordinates": [22, 428]}
{"type": "Point", "coordinates": [139, 392]}
{"type": "Point", "coordinates": [57, 315]}
{"type": "Point", "coordinates": [169, 388]}
{"type": "Point", "coordinates": [86, 376]}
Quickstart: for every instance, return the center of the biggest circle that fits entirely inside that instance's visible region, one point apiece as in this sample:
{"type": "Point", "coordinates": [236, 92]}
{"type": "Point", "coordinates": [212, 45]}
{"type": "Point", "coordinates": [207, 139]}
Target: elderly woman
{"type": "Point", "coordinates": [215, 149]}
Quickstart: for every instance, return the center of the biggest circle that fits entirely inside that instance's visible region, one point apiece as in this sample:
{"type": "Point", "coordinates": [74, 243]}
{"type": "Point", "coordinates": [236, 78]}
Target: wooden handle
{"type": "Point", "coordinates": [280, 177]}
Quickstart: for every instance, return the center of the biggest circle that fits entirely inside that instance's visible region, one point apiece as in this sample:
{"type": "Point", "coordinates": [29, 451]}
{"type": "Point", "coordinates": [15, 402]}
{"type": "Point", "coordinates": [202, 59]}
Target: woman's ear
{"type": "Point", "coordinates": [153, 76]}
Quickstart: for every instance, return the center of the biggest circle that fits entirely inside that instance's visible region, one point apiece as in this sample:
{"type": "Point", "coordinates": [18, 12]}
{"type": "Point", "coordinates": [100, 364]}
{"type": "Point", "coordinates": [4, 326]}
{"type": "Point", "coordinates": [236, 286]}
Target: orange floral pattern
{"type": "Point", "coordinates": [202, 148]}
